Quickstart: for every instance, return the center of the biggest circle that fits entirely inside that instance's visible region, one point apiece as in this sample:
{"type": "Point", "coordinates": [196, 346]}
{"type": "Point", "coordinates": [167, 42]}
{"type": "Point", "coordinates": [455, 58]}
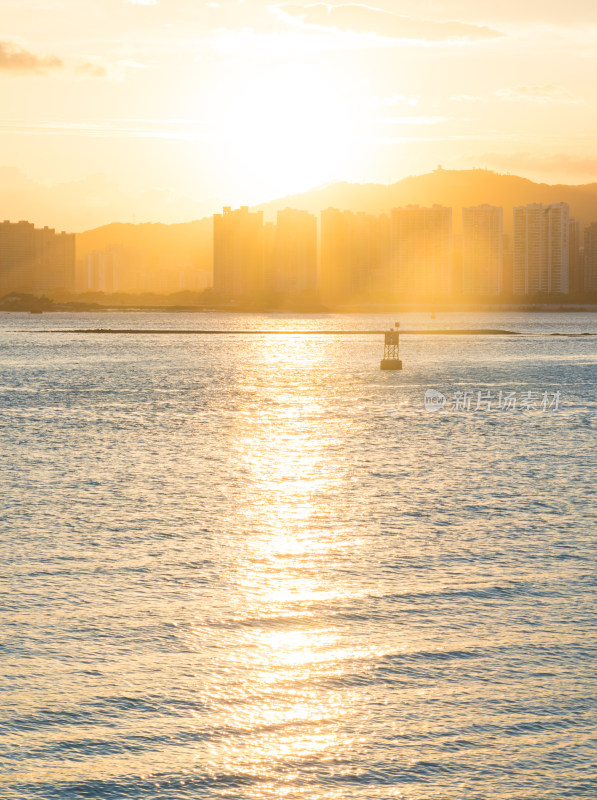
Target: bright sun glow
{"type": "Point", "coordinates": [290, 129]}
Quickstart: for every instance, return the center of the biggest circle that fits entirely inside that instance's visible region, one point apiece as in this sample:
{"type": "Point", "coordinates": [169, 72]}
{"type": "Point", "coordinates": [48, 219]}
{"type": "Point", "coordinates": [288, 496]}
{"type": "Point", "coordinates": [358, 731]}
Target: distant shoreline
{"type": "Point", "coordinates": [82, 308]}
{"type": "Point", "coordinates": [196, 332]}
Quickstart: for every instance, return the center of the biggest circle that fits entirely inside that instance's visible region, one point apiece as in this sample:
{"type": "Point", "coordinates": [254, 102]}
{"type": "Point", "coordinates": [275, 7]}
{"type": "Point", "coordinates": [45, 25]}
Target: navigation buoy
{"type": "Point", "coordinates": [391, 352]}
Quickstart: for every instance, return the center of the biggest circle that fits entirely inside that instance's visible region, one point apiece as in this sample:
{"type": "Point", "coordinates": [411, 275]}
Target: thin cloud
{"type": "Point", "coordinates": [530, 94]}
{"type": "Point", "coordinates": [89, 70]}
{"type": "Point", "coordinates": [538, 94]}
{"type": "Point", "coordinates": [467, 98]}
{"type": "Point", "coordinates": [168, 129]}
{"type": "Point", "coordinates": [559, 164]}
{"type": "Point", "coordinates": [365, 19]}
{"type": "Point", "coordinates": [113, 71]}
{"type": "Point", "coordinates": [17, 60]}
{"type": "Point", "coordinates": [395, 100]}
{"type": "Point", "coordinates": [414, 120]}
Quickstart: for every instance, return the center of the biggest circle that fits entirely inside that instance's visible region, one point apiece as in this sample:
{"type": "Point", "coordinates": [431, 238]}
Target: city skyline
{"type": "Point", "coordinates": [405, 254]}
{"type": "Point", "coordinates": [408, 254]}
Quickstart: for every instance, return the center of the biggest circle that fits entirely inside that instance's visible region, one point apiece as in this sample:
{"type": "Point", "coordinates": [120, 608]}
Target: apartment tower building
{"type": "Point", "coordinates": [482, 250]}
{"type": "Point", "coordinates": [421, 251]}
{"type": "Point", "coordinates": [541, 249]}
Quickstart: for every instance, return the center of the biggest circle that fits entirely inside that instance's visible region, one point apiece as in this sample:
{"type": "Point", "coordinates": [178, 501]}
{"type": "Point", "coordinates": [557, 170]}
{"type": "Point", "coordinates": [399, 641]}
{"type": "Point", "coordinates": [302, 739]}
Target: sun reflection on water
{"type": "Point", "coordinates": [280, 545]}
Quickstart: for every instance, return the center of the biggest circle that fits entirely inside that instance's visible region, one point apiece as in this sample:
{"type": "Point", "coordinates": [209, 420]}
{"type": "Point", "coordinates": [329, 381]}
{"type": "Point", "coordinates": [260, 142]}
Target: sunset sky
{"type": "Point", "coordinates": [185, 105]}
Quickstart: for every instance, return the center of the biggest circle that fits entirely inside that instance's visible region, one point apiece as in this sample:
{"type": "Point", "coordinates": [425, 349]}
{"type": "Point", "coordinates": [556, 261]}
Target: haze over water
{"type": "Point", "coordinates": [255, 566]}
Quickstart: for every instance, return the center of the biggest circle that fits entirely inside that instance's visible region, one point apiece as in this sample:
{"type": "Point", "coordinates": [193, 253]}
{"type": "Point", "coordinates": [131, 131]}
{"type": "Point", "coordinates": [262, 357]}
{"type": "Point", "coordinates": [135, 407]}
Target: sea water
{"type": "Point", "coordinates": [255, 566]}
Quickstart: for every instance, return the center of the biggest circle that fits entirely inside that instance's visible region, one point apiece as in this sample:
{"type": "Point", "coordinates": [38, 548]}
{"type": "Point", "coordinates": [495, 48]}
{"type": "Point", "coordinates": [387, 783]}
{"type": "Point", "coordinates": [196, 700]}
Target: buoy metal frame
{"type": "Point", "coordinates": [391, 353]}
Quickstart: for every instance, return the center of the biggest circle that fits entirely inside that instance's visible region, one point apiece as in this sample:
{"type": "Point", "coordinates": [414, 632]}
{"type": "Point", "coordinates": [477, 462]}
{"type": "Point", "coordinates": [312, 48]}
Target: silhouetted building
{"type": "Point", "coordinates": [355, 256]}
{"type": "Point", "coordinates": [293, 252]}
{"type": "Point", "coordinates": [541, 249]}
{"type": "Point", "coordinates": [507, 265]}
{"type": "Point", "coordinates": [590, 259]}
{"type": "Point", "coordinates": [239, 263]}
{"type": "Point", "coordinates": [373, 256]}
{"type": "Point", "coordinates": [421, 251]}
{"type": "Point", "coordinates": [55, 255]}
{"type": "Point", "coordinates": [99, 272]}
{"type": "Point", "coordinates": [189, 277]}
{"type": "Point", "coordinates": [17, 257]}
{"type": "Point", "coordinates": [482, 250]}
{"type": "Point", "coordinates": [336, 254]}
{"type": "Point", "coordinates": [575, 273]}
{"type": "Point", "coordinates": [117, 269]}
{"type": "Point", "coordinates": [269, 246]}
{"type": "Point", "coordinates": [35, 260]}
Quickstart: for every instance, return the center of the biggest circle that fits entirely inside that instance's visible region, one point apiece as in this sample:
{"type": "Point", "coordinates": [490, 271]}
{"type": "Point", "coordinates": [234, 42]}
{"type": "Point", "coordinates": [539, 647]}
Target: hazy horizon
{"type": "Point", "coordinates": [86, 202]}
{"type": "Point", "coordinates": [166, 111]}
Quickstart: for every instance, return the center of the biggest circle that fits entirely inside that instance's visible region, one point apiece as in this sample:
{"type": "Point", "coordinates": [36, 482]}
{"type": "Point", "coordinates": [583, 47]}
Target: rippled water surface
{"type": "Point", "coordinates": [253, 566]}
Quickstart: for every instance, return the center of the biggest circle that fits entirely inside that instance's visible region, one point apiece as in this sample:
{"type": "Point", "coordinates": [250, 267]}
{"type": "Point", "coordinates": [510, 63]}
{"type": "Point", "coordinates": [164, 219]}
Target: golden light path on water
{"type": "Point", "coordinates": [280, 542]}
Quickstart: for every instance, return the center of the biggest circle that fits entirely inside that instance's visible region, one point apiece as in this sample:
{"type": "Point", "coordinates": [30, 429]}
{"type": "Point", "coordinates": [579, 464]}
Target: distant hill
{"type": "Point", "coordinates": [164, 244]}
{"type": "Point", "coordinates": [191, 242]}
{"type": "Point", "coordinates": [454, 188]}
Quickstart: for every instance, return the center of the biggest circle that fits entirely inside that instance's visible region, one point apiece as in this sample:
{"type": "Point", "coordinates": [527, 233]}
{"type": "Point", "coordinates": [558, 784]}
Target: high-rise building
{"type": "Point", "coordinates": [355, 256]}
{"type": "Point", "coordinates": [482, 250]}
{"type": "Point", "coordinates": [100, 273]}
{"type": "Point", "coordinates": [508, 265]}
{"type": "Point", "coordinates": [421, 251]}
{"type": "Point", "coordinates": [541, 249]}
{"type": "Point", "coordinates": [118, 268]}
{"type": "Point", "coordinates": [35, 260]}
{"type": "Point", "coordinates": [294, 254]}
{"type": "Point", "coordinates": [372, 256]}
{"type": "Point", "coordinates": [17, 257]}
{"type": "Point", "coordinates": [590, 259]}
{"type": "Point", "coordinates": [575, 274]}
{"type": "Point", "coordinates": [239, 264]}
{"type": "Point", "coordinates": [336, 255]}
{"type": "Point", "coordinates": [55, 256]}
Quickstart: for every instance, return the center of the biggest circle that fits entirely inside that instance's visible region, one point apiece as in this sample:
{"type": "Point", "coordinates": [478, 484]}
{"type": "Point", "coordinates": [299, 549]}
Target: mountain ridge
{"type": "Point", "coordinates": [454, 188]}
{"type": "Point", "coordinates": [191, 242]}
